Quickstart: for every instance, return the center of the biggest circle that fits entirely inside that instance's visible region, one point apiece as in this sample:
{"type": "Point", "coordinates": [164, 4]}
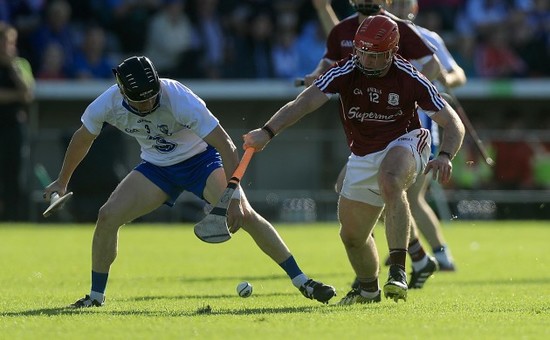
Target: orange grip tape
{"type": "Point", "coordinates": [243, 164]}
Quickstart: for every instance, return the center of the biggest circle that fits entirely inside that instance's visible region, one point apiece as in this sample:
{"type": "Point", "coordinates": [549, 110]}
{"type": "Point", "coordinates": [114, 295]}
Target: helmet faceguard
{"type": "Point", "coordinates": [139, 84]}
{"type": "Point", "coordinates": [378, 62]}
{"type": "Point", "coordinates": [368, 7]}
{"type": "Point", "coordinates": [404, 9]}
{"type": "Point", "coordinates": [375, 43]}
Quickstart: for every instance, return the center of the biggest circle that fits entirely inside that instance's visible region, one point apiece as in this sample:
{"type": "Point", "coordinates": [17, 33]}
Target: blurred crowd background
{"type": "Point", "coordinates": [220, 39]}
{"type": "Point", "coordinates": [82, 40]}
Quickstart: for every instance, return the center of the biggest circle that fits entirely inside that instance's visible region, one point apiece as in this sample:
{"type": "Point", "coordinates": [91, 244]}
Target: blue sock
{"type": "Point", "coordinates": [291, 267]}
{"type": "Point", "coordinates": [99, 282]}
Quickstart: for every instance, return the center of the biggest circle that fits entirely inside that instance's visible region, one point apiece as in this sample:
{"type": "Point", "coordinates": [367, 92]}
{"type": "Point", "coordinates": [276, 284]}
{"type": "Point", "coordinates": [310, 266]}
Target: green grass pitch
{"type": "Point", "coordinates": [166, 284]}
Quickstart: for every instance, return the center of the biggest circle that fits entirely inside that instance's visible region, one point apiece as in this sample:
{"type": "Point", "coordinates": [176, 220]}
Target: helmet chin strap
{"type": "Point", "coordinates": [130, 108]}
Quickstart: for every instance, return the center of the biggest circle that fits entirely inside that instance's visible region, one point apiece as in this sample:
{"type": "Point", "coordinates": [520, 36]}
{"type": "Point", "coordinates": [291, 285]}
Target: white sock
{"type": "Point", "coordinates": [420, 264]}
{"type": "Point", "coordinates": [299, 280]}
{"type": "Point", "coordinates": [97, 296]}
{"type": "Point", "coordinates": [444, 256]}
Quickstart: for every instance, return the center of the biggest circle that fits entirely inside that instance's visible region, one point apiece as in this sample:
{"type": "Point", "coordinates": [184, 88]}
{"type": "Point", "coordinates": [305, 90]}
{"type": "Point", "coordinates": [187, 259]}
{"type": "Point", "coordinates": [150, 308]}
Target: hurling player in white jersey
{"type": "Point", "coordinates": [183, 147]}
{"type": "Point", "coordinates": [451, 75]}
{"type": "Point", "coordinates": [379, 92]}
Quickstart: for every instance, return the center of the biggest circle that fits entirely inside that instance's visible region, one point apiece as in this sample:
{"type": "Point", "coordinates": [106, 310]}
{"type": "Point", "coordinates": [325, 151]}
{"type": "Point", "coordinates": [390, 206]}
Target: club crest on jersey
{"type": "Point", "coordinates": [164, 129]}
{"type": "Point", "coordinates": [393, 99]}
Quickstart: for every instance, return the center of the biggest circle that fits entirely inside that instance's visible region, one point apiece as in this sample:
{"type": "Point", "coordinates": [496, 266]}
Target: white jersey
{"type": "Point", "coordinates": [171, 134]}
{"type": "Point", "coordinates": [448, 62]}
{"type": "Point", "coordinates": [442, 53]}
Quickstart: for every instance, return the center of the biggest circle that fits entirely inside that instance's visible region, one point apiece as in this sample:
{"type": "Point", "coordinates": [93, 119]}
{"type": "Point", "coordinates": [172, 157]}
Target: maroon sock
{"type": "Point", "coordinates": [369, 286]}
{"type": "Point", "coordinates": [416, 251]}
{"type": "Point", "coordinates": [398, 257]}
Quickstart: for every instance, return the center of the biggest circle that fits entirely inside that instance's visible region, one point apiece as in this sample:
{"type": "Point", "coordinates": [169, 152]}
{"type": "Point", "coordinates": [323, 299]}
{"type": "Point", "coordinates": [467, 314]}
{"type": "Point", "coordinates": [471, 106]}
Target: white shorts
{"type": "Point", "coordinates": [361, 181]}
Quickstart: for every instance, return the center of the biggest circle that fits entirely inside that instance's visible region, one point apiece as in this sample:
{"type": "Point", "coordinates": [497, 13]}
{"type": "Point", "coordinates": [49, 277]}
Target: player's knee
{"type": "Point", "coordinates": [351, 239]}
{"type": "Point", "coordinates": [390, 185]}
{"type": "Point", "coordinates": [106, 216]}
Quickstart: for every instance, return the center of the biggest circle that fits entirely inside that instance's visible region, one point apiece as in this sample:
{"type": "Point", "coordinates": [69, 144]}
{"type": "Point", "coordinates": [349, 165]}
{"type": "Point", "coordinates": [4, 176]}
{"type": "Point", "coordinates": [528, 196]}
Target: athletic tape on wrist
{"type": "Point", "coordinates": [236, 194]}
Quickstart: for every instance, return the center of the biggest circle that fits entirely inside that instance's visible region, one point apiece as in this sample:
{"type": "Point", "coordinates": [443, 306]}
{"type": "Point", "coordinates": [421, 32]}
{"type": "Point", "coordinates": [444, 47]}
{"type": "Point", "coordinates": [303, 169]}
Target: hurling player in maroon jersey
{"type": "Point", "coordinates": [379, 92]}
{"type": "Point", "coordinates": [416, 50]}
{"type": "Point", "coordinates": [340, 40]}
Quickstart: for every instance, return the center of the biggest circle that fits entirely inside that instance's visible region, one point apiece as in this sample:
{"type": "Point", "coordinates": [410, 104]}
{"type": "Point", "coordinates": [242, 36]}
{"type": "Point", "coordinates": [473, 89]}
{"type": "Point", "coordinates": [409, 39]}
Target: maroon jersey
{"type": "Point", "coordinates": [411, 44]}
{"type": "Point", "coordinates": [377, 110]}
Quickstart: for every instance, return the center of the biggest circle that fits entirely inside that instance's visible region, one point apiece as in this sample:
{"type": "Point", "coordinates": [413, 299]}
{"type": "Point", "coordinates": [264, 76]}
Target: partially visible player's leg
{"type": "Point", "coordinates": [428, 223]}
{"type": "Point", "coordinates": [398, 171]}
{"type": "Point", "coordinates": [357, 221]}
{"type": "Point", "coordinates": [423, 265]}
{"type": "Point", "coordinates": [135, 196]}
{"type": "Point", "coordinates": [271, 243]}
{"type": "Point", "coordinates": [340, 180]}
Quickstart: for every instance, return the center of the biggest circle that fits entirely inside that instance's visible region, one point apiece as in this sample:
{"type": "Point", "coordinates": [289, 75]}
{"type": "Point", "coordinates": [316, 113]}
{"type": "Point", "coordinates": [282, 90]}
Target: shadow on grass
{"type": "Point", "coordinates": [199, 297]}
{"type": "Point", "coordinates": [207, 279]}
{"type": "Point", "coordinates": [204, 310]}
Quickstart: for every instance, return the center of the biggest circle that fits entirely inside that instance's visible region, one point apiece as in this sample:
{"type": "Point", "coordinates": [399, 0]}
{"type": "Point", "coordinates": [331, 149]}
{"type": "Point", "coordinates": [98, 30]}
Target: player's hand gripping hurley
{"type": "Point", "coordinates": [213, 228]}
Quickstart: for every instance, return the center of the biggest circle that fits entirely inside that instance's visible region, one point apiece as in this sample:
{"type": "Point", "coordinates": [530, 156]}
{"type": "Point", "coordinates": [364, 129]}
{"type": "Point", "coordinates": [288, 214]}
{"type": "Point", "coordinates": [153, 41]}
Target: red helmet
{"type": "Point", "coordinates": [377, 37]}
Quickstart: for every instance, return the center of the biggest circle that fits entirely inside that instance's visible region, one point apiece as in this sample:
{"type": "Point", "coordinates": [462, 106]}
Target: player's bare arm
{"type": "Point", "coordinates": [326, 14]}
{"type": "Point", "coordinates": [324, 64]}
{"type": "Point", "coordinates": [307, 101]}
{"type": "Point", "coordinates": [431, 68]}
{"type": "Point", "coordinates": [219, 139]}
{"type": "Point", "coordinates": [453, 134]}
{"type": "Point", "coordinates": [80, 143]}
{"type": "Point", "coordinates": [454, 78]}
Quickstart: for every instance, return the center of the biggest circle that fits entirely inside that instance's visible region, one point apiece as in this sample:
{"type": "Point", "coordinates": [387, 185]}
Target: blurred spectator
{"type": "Point", "coordinates": [311, 43]}
{"type": "Point", "coordinates": [236, 65]}
{"type": "Point", "coordinates": [130, 22]}
{"type": "Point", "coordinates": [446, 11]}
{"type": "Point", "coordinates": [513, 168]}
{"type": "Point", "coordinates": [482, 16]}
{"type": "Point", "coordinates": [285, 55]}
{"type": "Point", "coordinates": [211, 42]}
{"type": "Point", "coordinates": [260, 45]}
{"type": "Point", "coordinates": [464, 54]}
{"type": "Point", "coordinates": [530, 37]}
{"type": "Point", "coordinates": [285, 52]}
{"type": "Point", "coordinates": [16, 92]}
{"type": "Point", "coordinates": [91, 60]}
{"type": "Point", "coordinates": [217, 42]}
{"type": "Point", "coordinates": [169, 38]}
{"type": "Point", "coordinates": [495, 57]}
{"type": "Point", "coordinates": [24, 15]}
{"type": "Point", "coordinates": [52, 64]}
{"type": "Point", "coordinates": [55, 31]}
